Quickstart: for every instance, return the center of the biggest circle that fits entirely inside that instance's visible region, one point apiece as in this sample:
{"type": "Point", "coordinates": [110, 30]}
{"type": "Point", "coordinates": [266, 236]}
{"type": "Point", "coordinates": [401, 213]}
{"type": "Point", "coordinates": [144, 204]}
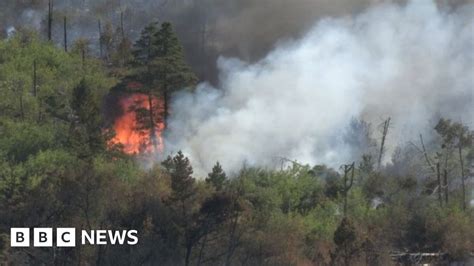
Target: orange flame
{"type": "Point", "coordinates": [129, 132]}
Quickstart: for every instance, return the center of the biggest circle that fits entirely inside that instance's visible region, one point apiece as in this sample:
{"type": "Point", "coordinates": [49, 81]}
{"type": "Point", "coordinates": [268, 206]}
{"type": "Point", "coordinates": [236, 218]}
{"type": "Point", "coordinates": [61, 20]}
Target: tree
{"type": "Point", "coordinates": [81, 47]}
{"type": "Point", "coordinates": [65, 33]}
{"type": "Point", "coordinates": [50, 19]}
{"type": "Point", "coordinates": [217, 177]}
{"type": "Point", "coordinates": [386, 125]}
{"type": "Point", "coordinates": [182, 200]}
{"type": "Point", "coordinates": [145, 47]}
{"type": "Point", "coordinates": [161, 67]}
{"type": "Point", "coordinates": [347, 185]}
{"type": "Point", "coordinates": [174, 73]}
{"type": "Point", "coordinates": [455, 135]}
{"type": "Point", "coordinates": [86, 124]}
{"type": "Point", "coordinates": [107, 40]}
{"type": "Point", "coordinates": [182, 182]}
{"type": "Point", "coordinates": [345, 239]}
{"type": "Point", "coordinates": [123, 53]}
{"type": "Point", "coordinates": [214, 212]}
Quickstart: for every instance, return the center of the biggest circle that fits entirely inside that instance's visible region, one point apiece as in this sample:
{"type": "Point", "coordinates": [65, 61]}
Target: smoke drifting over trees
{"type": "Point", "coordinates": [246, 29]}
{"type": "Point", "coordinates": [411, 62]}
{"type": "Point", "coordinates": [328, 63]}
{"type": "Point", "coordinates": [335, 133]}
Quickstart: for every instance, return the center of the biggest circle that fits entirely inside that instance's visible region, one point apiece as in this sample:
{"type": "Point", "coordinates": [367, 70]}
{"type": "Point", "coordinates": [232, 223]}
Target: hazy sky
{"type": "Point", "coordinates": [247, 29]}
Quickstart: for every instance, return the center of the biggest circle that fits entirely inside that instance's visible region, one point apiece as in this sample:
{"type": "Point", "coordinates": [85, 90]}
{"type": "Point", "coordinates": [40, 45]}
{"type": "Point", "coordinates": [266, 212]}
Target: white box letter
{"type": "Point", "coordinates": [66, 237]}
{"type": "Point", "coordinates": [20, 237]}
{"type": "Point", "coordinates": [43, 237]}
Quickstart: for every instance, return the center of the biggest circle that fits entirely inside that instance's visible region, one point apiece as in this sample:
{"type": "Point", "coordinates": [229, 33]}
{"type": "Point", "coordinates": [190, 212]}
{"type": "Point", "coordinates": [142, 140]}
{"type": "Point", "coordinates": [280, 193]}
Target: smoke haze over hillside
{"type": "Point", "coordinates": [247, 29]}
{"type": "Point", "coordinates": [411, 62]}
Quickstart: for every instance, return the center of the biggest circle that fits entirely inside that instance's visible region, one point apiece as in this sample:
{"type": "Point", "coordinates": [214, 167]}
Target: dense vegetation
{"type": "Point", "coordinates": [56, 170]}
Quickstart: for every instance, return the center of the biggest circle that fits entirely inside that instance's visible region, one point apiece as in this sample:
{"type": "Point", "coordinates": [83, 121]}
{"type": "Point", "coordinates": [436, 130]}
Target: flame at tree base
{"type": "Point", "coordinates": [132, 134]}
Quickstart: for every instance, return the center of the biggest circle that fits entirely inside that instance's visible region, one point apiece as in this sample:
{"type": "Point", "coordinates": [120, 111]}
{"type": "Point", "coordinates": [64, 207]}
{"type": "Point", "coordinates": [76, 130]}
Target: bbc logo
{"type": "Point", "coordinates": [42, 237]}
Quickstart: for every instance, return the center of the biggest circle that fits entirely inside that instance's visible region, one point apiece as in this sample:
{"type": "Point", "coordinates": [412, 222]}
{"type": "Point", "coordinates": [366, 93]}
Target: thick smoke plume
{"type": "Point", "coordinates": [247, 29]}
{"type": "Point", "coordinates": [411, 62]}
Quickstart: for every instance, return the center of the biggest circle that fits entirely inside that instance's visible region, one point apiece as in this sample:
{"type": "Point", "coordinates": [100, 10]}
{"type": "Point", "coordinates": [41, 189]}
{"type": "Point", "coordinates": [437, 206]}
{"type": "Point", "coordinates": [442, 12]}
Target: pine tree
{"type": "Point", "coordinates": [107, 40]}
{"type": "Point", "coordinates": [81, 47]}
{"type": "Point", "coordinates": [86, 123]}
{"type": "Point", "coordinates": [144, 49]}
{"type": "Point", "coordinates": [217, 177]}
{"type": "Point", "coordinates": [183, 201]}
{"type": "Point", "coordinates": [144, 52]}
{"type": "Point", "coordinates": [160, 66]}
{"type": "Point", "coordinates": [182, 182]}
{"type": "Point", "coordinates": [174, 73]}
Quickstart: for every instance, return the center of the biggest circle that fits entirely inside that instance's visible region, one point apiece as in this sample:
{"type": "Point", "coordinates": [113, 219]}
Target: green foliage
{"type": "Point", "coordinates": [455, 134]}
{"type": "Point", "coordinates": [87, 130]}
{"type": "Point", "coordinates": [116, 49]}
{"type": "Point", "coordinates": [48, 164]}
{"type": "Point", "coordinates": [180, 170]}
{"type": "Point", "coordinates": [159, 61]}
{"type": "Point", "coordinates": [160, 69]}
{"type": "Point", "coordinates": [145, 47]}
{"type": "Point", "coordinates": [57, 73]}
{"type": "Point", "coordinates": [21, 139]}
{"type": "Point", "coordinates": [345, 236]}
{"type": "Point", "coordinates": [217, 177]}
{"type": "Point", "coordinates": [56, 171]}
{"type": "Point", "coordinates": [345, 239]}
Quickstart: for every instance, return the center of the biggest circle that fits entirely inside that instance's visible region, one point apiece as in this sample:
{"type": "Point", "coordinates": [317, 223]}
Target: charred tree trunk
{"type": "Point", "coordinates": [35, 85]}
{"type": "Point", "coordinates": [50, 19]}
{"type": "Point", "coordinates": [83, 56]}
{"type": "Point", "coordinates": [446, 188]}
{"type": "Point", "coordinates": [187, 259]}
{"type": "Point", "coordinates": [347, 186]}
{"type": "Point", "coordinates": [22, 112]}
{"type": "Point", "coordinates": [165, 107]}
{"type": "Point", "coordinates": [152, 122]}
{"type": "Point", "coordinates": [440, 186]}
{"type": "Point", "coordinates": [233, 237]}
{"type": "Point", "coordinates": [232, 240]}
{"type": "Point", "coordinates": [386, 125]}
{"type": "Point", "coordinates": [65, 34]}
{"type": "Point", "coordinates": [18, 90]}
{"type": "Point", "coordinates": [201, 250]}
{"type": "Point", "coordinates": [100, 39]}
{"type": "Point", "coordinates": [428, 161]}
{"type": "Point", "coordinates": [463, 182]}
{"type": "Point", "coordinates": [122, 31]}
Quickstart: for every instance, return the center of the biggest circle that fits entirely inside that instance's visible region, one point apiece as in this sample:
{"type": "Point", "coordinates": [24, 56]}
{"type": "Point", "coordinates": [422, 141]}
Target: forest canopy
{"type": "Point", "coordinates": [59, 167]}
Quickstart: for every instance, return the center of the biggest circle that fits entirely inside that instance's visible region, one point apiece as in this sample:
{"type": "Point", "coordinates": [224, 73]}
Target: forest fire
{"type": "Point", "coordinates": [133, 129]}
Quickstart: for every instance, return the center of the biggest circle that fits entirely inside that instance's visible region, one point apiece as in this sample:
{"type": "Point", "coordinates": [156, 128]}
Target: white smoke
{"type": "Point", "coordinates": [32, 17]}
{"type": "Point", "coordinates": [413, 63]}
{"type": "Point", "coordinates": [10, 31]}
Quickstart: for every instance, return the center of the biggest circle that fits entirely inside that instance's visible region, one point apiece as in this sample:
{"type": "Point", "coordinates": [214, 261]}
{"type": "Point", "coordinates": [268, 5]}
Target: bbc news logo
{"type": "Point", "coordinates": [66, 237]}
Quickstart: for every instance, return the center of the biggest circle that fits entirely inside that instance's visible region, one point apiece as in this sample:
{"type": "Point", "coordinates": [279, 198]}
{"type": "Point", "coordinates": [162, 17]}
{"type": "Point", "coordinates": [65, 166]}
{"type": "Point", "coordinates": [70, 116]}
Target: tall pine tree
{"type": "Point", "coordinates": [217, 177]}
{"type": "Point", "coordinates": [183, 201]}
{"type": "Point", "coordinates": [173, 72]}
{"type": "Point", "coordinates": [160, 66]}
{"type": "Point", "coordinates": [86, 124]}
